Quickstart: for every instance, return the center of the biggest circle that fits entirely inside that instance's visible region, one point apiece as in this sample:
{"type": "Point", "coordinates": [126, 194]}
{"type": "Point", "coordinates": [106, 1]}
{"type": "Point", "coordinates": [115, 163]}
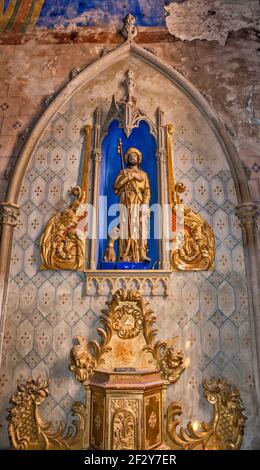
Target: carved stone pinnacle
{"type": "Point", "coordinates": [129, 31]}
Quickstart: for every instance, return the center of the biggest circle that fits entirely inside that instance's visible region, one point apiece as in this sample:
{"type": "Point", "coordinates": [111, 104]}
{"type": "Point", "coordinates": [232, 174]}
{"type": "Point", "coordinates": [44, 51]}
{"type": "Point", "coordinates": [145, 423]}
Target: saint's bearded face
{"type": "Point", "coordinates": [132, 159]}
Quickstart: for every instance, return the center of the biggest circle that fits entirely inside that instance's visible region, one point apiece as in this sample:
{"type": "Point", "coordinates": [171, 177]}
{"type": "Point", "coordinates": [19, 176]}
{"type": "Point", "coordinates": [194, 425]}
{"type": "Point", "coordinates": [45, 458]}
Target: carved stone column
{"type": "Point", "coordinates": [161, 158]}
{"type": "Point", "coordinates": [8, 220]}
{"type": "Point", "coordinates": [96, 186]}
{"type": "Point", "coordinates": [246, 212]}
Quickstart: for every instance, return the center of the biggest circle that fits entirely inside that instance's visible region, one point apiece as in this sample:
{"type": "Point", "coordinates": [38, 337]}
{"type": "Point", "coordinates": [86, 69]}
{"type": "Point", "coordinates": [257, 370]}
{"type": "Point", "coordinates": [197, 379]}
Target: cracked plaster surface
{"type": "Point", "coordinates": [211, 19]}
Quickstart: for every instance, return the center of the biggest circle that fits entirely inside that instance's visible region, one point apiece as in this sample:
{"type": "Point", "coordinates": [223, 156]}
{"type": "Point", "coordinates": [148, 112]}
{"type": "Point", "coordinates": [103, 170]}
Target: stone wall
{"type": "Point", "coordinates": [208, 311]}
{"type": "Point", "coordinates": [226, 75]}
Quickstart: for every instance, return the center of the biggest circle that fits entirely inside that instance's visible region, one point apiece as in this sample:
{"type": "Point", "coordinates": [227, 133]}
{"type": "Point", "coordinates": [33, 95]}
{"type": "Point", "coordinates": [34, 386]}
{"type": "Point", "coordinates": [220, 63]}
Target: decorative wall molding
{"type": "Point", "coordinates": [149, 282]}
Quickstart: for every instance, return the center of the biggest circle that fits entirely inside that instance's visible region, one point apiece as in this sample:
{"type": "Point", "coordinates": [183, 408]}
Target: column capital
{"type": "Point", "coordinates": [247, 213]}
{"type": "Point", "coordinates": [9, 213]}
{"type": "Point", "coordinates": [161, 155]}
{"type": "Point", "coordinates": [97, 155]}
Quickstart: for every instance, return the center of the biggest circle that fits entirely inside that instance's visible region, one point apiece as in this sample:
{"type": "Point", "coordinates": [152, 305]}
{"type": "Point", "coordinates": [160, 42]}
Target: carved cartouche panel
{"type": "Point", "coordinates": [127, 339]}
{"type": "Point", "coordinates": [124, 423]}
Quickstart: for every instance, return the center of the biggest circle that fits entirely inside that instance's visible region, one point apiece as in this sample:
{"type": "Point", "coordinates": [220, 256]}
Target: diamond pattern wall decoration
{"type": "Point", "coordinates": [208, 310]}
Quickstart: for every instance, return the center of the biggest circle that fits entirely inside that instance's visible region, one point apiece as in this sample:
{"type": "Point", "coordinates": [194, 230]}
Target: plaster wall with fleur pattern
{"type": "Point", "coordinates": [207, 310]}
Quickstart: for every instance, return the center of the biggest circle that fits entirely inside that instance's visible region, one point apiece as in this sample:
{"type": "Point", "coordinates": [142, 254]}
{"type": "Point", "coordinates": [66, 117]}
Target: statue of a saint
{"type": "Point", "coordinates": [132, 187]}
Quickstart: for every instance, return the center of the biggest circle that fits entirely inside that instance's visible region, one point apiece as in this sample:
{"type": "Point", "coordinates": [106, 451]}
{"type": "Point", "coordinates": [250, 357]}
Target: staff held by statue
{"type": "Point", "coordinates": [120, 153]}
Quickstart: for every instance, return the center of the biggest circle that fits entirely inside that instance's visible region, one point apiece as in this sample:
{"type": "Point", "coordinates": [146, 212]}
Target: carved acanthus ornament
{"type": "Point", "coordinates": [9, 214]}
{"type": "Point", "coordinates": [127, 316]}
{"type": "Point", "coordinates": [29, 431]}
{"type": "Point", "coordinates": [224, 431]}
{"type": "Point", "coordinates": [195, 249]}
{"type": "Point", "coordinates": [63, 241]}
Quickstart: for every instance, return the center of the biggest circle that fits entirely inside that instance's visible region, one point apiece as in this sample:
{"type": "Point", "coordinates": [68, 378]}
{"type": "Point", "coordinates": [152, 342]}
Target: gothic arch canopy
{"type": "Point", "coordinates": [124, 52]}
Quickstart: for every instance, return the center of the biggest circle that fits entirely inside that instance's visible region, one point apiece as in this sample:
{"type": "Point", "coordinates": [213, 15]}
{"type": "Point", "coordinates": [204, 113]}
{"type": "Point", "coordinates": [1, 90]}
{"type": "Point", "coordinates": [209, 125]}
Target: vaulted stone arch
{"type": "Point", "coordinates": [246, 209]}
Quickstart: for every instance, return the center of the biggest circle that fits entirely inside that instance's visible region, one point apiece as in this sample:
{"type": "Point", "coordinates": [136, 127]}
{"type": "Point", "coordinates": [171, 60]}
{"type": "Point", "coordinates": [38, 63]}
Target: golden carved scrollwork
{"type": "Point", "coordinates": [63, 242]}
{"type": "Point", "coordinates": [86, 356]}
{"type": "Point", "coordinates": [27, 429]}
{"type": "Point", "coordinates": [127, 316]}
{"type": "Point", "coordinates": [169, 360]}
{"type": "Point", "coordinates": [196, 251]}
{"type": "Point", "coordinates": [226, 427]}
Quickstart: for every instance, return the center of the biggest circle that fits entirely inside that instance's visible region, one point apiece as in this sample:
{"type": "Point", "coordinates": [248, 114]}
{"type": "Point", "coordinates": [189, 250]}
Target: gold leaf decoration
{"type": "Point", "coordinates": [224, 431]}
{"type": "Point", "coordinates": [62, 244]}
{"type": "Point", "coordinates": [195, 250]}
{"type": "Point", "coordinates": [27, 429]}
{"type": "Point", "coordinates": [198, 250]}
{"type": "Point", "coordinates": [127, 316]}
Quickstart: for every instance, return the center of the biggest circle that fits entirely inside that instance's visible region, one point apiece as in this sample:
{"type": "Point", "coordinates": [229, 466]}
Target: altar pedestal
{"type": "Point", "coordinates": [127, 410]}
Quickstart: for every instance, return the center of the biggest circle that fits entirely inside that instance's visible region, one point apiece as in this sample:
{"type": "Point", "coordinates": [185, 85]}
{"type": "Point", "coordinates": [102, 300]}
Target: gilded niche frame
{"type": "Point", "coordinates": [63, 246]}
{"type": "Point", "coordinates": [128, 115]}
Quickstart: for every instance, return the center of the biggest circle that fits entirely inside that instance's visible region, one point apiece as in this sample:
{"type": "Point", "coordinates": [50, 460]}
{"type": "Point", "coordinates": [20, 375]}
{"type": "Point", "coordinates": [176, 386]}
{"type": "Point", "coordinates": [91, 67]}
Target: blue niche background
{"type": "Point", "coordinates": [143, 140]}
{"type": "Point", "coordinates": [79, 13]}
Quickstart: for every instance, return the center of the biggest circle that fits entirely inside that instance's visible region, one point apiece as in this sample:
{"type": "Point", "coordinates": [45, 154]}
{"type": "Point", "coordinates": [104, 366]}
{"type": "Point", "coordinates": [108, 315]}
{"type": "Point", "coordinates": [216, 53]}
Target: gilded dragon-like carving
{"type": "Point", "coordinates": [29, 431]}
{"type": "Point", "coordinates": [198, 249]}
{"type": "Point", "coordinates": [195, 250]}
{"type": "Point", "coordinates": [226, 428]}
{"type": "Point", "coordinates": [63, 242]}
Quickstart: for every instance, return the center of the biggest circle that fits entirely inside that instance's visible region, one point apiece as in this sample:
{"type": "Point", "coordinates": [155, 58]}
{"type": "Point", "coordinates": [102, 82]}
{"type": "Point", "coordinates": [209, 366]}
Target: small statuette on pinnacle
{"type": "Point", "coordinates": [129, 31]}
